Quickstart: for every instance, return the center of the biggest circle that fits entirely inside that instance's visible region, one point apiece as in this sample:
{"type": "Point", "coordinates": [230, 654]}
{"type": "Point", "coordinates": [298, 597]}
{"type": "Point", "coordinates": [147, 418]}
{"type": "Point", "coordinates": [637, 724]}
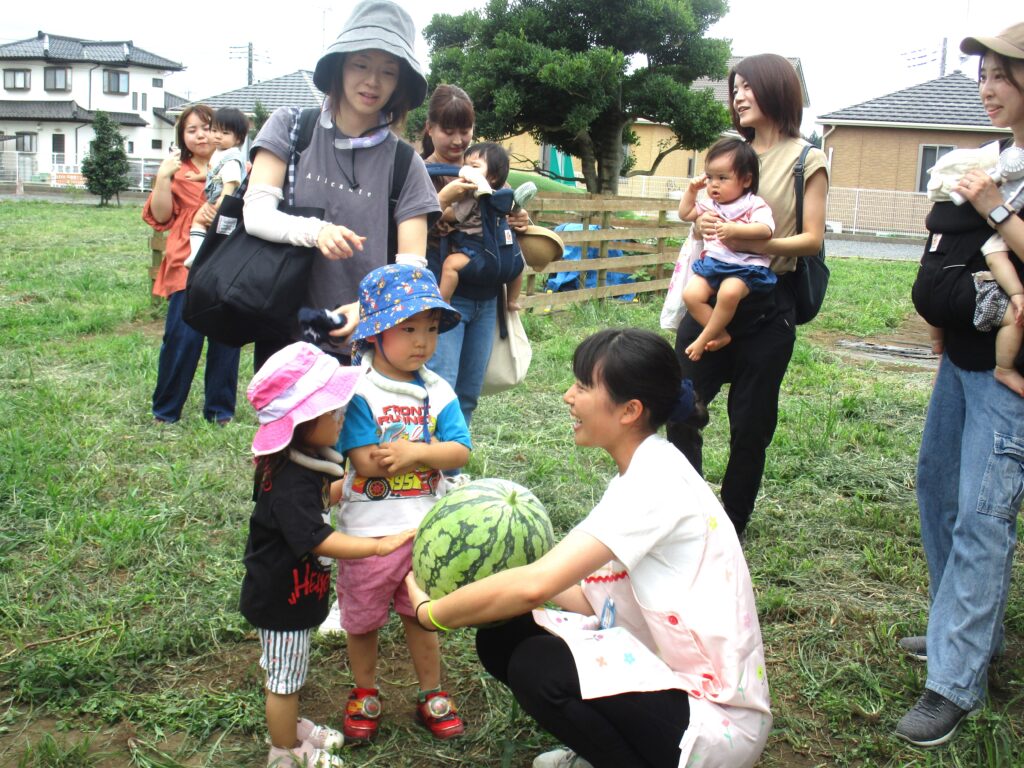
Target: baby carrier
{"type": "Point", "coordinates": [501, 250]}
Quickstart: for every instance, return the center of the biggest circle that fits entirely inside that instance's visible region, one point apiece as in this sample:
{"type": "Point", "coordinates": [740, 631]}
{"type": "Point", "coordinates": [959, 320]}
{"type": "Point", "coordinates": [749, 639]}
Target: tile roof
{"type": "Point", "coordinates": [62, 111]}
{"type": "Point", "coordinates": [946, 101]}
{"type": "Point", "coordinates": [293, 90]}
{"type": "Point", "coordinates": [720, 88]}
{"type": "Point", "coordinates": [71, 49]}
{"type": "Point", "coordinates": [172, 103]}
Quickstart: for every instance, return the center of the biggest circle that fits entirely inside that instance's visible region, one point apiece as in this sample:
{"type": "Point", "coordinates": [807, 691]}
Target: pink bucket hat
{"type": "Point", "coordinates": [296, 384]}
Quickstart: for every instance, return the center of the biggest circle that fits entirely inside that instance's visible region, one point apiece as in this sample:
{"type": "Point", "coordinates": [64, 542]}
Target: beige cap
{"type": "Point", "coordinates": [1009, 42]}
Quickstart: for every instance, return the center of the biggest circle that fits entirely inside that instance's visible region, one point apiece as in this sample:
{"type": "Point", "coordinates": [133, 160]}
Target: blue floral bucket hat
{"type": "Point", "coordinates": [394, 293]}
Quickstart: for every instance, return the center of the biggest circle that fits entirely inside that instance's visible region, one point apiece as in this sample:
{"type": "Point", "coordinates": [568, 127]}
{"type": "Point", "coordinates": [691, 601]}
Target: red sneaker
{"type": "Point", "coordinates": [439, 716]}
{"type": "Point", "coordinates": [362, 714]}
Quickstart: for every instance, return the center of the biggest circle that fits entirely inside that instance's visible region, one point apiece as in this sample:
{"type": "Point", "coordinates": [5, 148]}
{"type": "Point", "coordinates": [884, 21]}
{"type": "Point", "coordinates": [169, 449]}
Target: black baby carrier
{"type": "Point", "coordinates": [505, 258]}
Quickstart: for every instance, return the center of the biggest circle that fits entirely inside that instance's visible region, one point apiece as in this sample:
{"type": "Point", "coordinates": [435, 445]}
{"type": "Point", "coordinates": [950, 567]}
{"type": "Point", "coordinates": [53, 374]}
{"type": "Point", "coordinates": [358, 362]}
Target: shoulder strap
{"type": "Point", "coordinates": [307, 122]}
{"type": "Point", "coordinates": [403, 159]}
{"type": "Point", "coordinates": [798, 175]}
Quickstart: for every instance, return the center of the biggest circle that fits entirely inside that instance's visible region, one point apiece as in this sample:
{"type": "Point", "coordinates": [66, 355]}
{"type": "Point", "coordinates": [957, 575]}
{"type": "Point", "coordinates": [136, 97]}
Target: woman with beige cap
{"type": "Point", "coordinates": [970, 471]}
{"type": "Point", "coordinates": [371, 79]}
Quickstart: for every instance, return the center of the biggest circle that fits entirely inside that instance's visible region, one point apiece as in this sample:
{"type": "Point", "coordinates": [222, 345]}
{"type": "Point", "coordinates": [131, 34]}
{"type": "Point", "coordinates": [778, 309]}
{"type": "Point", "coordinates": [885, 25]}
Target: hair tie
{"type": "Point", "coordinates": [684, 402]}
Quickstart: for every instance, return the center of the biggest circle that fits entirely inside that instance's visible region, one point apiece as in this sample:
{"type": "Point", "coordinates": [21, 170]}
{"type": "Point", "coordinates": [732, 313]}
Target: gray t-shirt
{"type": "Point", "coordinates": [327, 178]}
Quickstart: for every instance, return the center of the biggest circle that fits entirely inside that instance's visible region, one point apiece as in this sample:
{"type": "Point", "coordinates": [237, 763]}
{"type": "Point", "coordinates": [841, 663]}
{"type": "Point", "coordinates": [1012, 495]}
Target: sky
{"type": "Point", "coordinates": [846, 60]}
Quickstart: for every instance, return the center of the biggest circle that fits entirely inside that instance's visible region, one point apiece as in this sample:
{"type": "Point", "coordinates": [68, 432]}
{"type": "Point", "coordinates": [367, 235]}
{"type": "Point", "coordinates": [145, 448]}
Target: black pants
{"type": "Point", "coordinates": [754, 364]}
{"type": "Point", "coordinates": [630, 730]}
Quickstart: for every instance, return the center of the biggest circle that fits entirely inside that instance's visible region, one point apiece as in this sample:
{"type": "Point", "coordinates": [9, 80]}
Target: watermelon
{"type": "Point", "coordinates": [477, 529]}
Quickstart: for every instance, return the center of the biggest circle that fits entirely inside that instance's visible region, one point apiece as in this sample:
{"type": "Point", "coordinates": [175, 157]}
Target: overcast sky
{"type": "Point", "coordinates": [844, 63]}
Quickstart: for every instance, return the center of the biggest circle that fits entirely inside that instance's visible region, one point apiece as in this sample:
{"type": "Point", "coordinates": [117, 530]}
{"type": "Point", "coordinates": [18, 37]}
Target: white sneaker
{"type": "Point", "coordinates": [560, 758]}
{"type": "Point", "coordinates": [451, 482]}
{"type": "Point", "coordinates": [320, 736]}
{"type": "Point", "coordinates": [332, 624]}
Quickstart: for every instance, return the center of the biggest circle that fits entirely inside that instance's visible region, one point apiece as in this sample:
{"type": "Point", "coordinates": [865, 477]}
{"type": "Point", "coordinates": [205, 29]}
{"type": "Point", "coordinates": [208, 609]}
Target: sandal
{"type": "Point", "coordinates": [362, 714]}
{"type": "Point", "coordinates": [440, 716]}
{"type": "Point", "coordinates": [320, 736]}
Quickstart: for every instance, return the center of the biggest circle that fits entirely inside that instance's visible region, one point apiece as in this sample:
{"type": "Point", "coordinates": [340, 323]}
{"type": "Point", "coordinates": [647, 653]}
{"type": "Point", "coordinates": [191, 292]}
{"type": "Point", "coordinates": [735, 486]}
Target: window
{"type": "Point", "coordinates": [143, 102]}
{"type": "Point", "coordinates": [158, 82]}
{"type": "Point", "coordinates": [57, 78]}
{"type": "Point", "coordinates": [135, 100]}
{"type": "Point", "coordinates": [115, 81]}
{"type": "Point", "coordinates": [25, 142]}
{"type": "Point", "coordinates": [690, 167]}
{"type": "Point", "coordinates": [57, 148]}
{"type": "Point", "coordinates": [17, 79]}
{"type": "Point", "coordinates": [131, 147]}
{"type": "Point", "coordinates": [930, 154]}
{"type": "Point", "coordinates": [158, 144]}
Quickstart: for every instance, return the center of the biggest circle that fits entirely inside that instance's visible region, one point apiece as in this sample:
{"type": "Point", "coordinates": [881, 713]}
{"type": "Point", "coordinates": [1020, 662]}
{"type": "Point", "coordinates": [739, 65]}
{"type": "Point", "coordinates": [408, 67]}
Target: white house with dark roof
{"type": "Point", "coordinates": [53, 86]}
{"type": "Point", "coordinates": [891, 141]}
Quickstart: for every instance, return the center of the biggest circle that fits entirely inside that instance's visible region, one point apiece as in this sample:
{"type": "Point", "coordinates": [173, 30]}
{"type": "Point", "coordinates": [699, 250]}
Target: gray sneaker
{"type": "Point", "coordinates": [560, 758]}
{"type": "Point", "coordinates": [914, 646]}
{"type": "Point", "coordinates": [931, 721]}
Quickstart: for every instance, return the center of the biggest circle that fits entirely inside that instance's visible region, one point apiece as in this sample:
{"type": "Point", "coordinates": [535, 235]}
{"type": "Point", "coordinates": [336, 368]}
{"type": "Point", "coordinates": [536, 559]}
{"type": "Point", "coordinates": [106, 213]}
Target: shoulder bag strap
{"type": "Point", "coordinates": [798, 175]}
{"type": "Point", "coordinates": [403, 159]}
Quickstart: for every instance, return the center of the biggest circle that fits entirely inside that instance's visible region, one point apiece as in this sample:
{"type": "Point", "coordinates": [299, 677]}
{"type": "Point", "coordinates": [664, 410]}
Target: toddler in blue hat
{"type": "Point", "coordinates": [403, 427]}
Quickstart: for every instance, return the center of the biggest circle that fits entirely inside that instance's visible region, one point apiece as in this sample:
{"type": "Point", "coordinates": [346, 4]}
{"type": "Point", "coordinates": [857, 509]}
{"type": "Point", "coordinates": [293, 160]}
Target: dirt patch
{"type": "Point", "coordinates": [905, 347]}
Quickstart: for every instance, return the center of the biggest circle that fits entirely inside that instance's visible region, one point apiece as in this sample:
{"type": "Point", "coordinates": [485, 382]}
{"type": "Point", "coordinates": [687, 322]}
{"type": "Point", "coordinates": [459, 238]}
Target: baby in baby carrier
{"type": "Point", "coordinates": [481, 248]}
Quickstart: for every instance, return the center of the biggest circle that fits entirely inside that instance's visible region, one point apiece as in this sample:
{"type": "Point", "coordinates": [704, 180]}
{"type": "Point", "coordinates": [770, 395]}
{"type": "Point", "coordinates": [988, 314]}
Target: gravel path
{"type": "Point", "coordinates": [873, 249]}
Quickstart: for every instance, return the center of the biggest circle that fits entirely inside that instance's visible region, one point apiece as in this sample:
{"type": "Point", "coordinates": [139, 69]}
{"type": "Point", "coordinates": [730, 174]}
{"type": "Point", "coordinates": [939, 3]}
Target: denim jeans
{"type": "Point", "coordinates": [970, 482]}
{"type": "Point", "coordinates": [462, 353]}
{"type": "Point", "coordinates": [179, 357]}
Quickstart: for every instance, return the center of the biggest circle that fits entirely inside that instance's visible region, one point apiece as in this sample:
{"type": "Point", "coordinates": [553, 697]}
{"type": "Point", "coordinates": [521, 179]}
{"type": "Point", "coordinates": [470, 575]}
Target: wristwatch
{"type": "Point", "coordinates": [998, 215]}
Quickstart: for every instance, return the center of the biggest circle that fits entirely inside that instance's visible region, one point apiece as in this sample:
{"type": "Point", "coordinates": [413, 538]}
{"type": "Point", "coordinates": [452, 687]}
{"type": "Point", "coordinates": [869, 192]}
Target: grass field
{"type": "Point", "coordinates": [120, 541]}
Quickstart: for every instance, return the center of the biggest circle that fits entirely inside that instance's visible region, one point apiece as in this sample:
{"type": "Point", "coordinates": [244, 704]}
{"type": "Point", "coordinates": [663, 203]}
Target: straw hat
{"type": "Point", "coordinates": [540, 246]}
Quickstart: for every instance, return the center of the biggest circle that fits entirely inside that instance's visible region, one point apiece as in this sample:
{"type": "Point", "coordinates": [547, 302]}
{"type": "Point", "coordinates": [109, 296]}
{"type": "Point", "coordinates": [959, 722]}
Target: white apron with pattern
{"type": "Point", "coordinates": [709, 646]}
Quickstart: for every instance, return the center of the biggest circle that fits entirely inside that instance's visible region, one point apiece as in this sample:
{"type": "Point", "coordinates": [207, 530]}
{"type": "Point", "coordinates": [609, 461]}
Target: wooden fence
{"type": "Point", "coordinates": [638, 226]}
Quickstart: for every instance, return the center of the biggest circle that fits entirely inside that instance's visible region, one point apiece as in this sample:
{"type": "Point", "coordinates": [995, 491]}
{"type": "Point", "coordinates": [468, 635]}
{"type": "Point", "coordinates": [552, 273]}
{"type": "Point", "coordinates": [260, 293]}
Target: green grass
{"type": "Point", "coordinates": [120, 542]}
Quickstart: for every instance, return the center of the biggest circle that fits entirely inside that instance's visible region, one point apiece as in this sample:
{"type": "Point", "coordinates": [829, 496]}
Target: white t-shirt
{"type": "Point", "coordinates": [651, 519]}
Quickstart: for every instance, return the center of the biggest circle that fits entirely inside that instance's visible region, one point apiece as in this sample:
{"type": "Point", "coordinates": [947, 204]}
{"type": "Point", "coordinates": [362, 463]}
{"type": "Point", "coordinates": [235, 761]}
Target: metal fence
{"type": "Point", "coordinates": [857, 211]}
{"type": "Point", "coordinates": [23, 168]}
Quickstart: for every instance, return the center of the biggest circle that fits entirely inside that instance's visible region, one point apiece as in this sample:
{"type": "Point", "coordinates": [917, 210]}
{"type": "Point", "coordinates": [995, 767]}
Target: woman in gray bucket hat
{"type": "Point", "coordinates": [371, 79]}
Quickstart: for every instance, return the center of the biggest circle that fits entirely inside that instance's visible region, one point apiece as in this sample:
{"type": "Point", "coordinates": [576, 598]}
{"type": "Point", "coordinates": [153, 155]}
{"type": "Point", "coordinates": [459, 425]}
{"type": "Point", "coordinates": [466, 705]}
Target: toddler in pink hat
{"type": "Point", "coordinates": [300, 394]}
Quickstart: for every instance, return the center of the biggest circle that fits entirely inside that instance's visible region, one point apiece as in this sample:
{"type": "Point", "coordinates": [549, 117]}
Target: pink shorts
{"type": "Point", "coordinates": [367, 587]}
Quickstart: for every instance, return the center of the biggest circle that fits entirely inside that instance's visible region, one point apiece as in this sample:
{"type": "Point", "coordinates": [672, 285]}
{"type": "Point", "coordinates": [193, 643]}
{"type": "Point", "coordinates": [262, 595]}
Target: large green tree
{"type": "Point", "coordinates": [578, 73]}
{"type": "Point", "coordinates": [106, 166]}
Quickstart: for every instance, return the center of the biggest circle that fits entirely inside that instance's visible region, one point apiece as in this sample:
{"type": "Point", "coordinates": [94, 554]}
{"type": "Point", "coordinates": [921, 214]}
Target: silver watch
{"type": "Point", "coordinates": [998, 215]}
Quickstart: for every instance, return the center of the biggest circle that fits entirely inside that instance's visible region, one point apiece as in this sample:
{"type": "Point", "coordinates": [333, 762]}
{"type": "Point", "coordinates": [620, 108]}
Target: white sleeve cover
{"type": "Point", "coordinates": [264, 220]}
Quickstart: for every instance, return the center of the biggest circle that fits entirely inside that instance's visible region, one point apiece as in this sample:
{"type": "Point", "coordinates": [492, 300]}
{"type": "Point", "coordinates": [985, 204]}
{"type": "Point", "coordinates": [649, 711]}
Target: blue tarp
{"type": "Point", "coordinates": [570, 281]}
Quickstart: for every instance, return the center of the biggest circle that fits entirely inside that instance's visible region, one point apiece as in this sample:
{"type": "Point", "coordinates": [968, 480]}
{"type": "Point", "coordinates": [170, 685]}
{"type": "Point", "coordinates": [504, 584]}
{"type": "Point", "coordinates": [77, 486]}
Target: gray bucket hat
{"type": "Point", "coordinates": [1009, 43]}
{"type": "Point", "coordinates": [381, 25]}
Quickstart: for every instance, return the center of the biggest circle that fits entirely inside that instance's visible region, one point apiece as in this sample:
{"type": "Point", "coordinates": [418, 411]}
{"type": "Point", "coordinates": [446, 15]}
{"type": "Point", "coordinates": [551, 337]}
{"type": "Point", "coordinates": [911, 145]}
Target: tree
{"type": "Point", "coordinates": [578, 73]}
{"type": "Point", "coordinates": [260, 115]}
{"type": "Point", "coordinates": [106, 166]}
{"type": "Point", "coordinates": [814, 139]}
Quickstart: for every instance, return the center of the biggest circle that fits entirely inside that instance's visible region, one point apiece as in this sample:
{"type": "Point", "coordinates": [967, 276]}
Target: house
{"type": "Point", "coordinates": [292, 90]}
{"type": "Point", "coordinates": [880, 152]}
{"type": "Point", "coordinates": [891, 141]}
{"type": "Point", "coordinates": [53, 86]}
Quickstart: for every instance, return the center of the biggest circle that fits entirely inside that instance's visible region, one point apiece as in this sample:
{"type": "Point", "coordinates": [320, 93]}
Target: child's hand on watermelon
{"type": "Point", "coordinates": [416, 593]}
{"type": "Point", "coordinates": [388, 544]}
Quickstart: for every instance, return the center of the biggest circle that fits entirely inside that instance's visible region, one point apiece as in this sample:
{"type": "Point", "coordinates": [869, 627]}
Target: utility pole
{"type": "Point", "coordinates": [246, 51]}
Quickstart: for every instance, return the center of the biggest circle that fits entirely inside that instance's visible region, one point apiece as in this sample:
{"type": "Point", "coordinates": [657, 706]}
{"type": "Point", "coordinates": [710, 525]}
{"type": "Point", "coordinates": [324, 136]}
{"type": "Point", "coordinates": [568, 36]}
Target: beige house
{"type": "Point", "coordinates": [890, 142]}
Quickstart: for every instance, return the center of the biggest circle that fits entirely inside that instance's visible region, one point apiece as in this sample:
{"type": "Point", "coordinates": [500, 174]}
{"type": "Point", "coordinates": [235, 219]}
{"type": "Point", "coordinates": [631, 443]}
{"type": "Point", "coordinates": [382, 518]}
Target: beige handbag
{"type": "Point", "coordinates": [510, 353]}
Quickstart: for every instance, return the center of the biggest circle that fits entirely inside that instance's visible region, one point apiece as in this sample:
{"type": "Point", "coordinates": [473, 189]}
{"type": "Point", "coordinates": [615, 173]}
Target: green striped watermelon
{"type": "Point", "coordinates": [477, 529]}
